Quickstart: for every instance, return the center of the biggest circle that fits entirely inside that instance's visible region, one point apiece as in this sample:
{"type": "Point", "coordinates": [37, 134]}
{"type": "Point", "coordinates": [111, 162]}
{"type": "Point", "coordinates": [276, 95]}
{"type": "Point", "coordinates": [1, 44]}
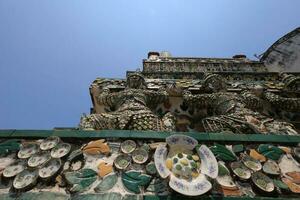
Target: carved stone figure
{"type": "Point", "coordinates": [239, 113]}
{"type": "Point", "coordinates": [130, 108]}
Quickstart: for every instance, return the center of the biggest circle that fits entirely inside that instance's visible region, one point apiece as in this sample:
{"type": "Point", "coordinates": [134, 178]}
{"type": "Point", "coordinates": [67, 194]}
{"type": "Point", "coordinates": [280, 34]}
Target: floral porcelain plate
{"type": "Point", "coordinates": [60, 150]}
{"type": "Point", "coordinates": [25, 179]}
{"type": "Point", "coordinates": [50, 168]}
{"type": "Point", "coordinates": [27, 150]}
{"type": "Point", "coordinates": [49, 143]}
{"type": "Point", "coordinates": [187, 165]}
{"type": "Point", "coordinates": [14, 169]}
{"type": "Point", "coordinates": [38, 159]}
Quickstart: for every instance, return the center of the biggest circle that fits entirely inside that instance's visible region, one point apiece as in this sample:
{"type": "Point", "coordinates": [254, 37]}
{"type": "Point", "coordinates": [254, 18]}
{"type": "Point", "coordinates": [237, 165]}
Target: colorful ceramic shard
{"type": "Point", "coordinates": [151, 169]}
{"type": "Point", "coordinates": [81, 180]}
{"type": "Point", "coordinates": [104, 168]}
{"type": "Point", "coordinates": [49, 143]}
{"type": "Point", "coordinates": [288, 164]}
{"type": "Point", "coordinates": [25, 179]}
{"type": "Point", "coordinates": [128, 146]}
{"type": "Point", "coordinates": [251, 163]}
{"type": "Point", "coordinates": [271, 167]}
{"type": "Point", "coordinates": [240, 170]}
{"type": "Point", "coordinates": [122, 161]}
{"type": "Point", "coordinates": [96, 147]}
{"type": "Point", "coordinates": [106, 183]}
{"type": "Point", "coordinates": [224, 178]}
{"type": "Point", "coordinates": [60, 150]}
{"type": "Point", "coordinates": [295, 188]}
{"type": "Point", "coordinates": [38, 159]}
{"type": "Point", "coordinates": [140, 156]}
{"type": "Point", "coordinates": [222, 153]}
{"type": "Point", "coordinates": [270, 151]}
{"type": "Point", "coordinates": [134, 181]}
{"type": "Point", "coordinates": [50, 168]}
{"type": "Point", "coordinates": [14, 169]}
{"type": "Point", "coordinates": [263, 182]}
{"type": "Point", "coordinates": [257, 156]}
{"type": "Point", "coordinates": [28, 150]}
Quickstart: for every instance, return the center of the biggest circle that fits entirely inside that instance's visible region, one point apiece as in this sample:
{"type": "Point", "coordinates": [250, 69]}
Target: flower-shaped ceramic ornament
{"type": "Point", "coordinates": [187, 165]}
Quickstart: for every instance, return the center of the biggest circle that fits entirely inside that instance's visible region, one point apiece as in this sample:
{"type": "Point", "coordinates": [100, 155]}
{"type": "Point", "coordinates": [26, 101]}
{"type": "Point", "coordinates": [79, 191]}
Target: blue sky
{"type": "Point", "coordinates": [51, 50]}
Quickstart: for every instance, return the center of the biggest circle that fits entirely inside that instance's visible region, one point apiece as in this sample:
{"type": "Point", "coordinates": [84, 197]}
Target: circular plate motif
{"type": "Point", "coordinates": [122, 161]}
{"type": "Point", "coordinates": [139, 156]}
{"type": "Point", "coordinates": [25, 179]}
{"type": "Point", "coordinates": [49, 143]}
{"type": "Point", "coordinates": [263, 182]}
{"type": "Point", "coordinates": [60, 150]}
{"type": "Point", "coordinates": [50, 168]}
{"type": "Point", "coordinates": [128, 146]}
{"type": "Point", "coordinates": [27, 150]}
{"type": "Point", "coordinates": [38, 159]}
{"type": "Point", "coordinates": [13, 169]}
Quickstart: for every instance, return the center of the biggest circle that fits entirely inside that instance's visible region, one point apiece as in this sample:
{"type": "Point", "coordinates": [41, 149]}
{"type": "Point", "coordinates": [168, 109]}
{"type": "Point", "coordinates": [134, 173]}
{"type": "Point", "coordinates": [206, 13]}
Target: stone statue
{"type": "Point", "coordinates": [130, 108]}
{"type": "Point", "coordinates": [240, 113]}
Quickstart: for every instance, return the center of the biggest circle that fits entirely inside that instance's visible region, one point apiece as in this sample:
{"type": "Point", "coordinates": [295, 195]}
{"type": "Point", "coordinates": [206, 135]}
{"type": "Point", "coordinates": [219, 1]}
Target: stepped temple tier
{"type": "Point", "coordinates": [180, 128]}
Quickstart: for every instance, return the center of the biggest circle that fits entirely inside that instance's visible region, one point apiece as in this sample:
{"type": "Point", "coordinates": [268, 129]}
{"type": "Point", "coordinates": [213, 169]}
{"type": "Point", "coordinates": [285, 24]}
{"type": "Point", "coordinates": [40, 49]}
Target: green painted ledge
{"type": "Point", "coordinates": [59, 196]}
{"type": "Point", "coordinates": [208, 137]}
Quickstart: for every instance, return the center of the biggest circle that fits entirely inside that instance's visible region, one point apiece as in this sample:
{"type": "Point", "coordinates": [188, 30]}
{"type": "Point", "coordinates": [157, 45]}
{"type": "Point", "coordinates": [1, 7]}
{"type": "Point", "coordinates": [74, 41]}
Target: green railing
{"type": "Point", "coordinates": [207, 137]}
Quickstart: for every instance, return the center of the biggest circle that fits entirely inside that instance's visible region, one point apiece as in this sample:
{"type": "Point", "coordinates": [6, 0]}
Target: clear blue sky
{"type": "Point", "coordinates": [51, 50]}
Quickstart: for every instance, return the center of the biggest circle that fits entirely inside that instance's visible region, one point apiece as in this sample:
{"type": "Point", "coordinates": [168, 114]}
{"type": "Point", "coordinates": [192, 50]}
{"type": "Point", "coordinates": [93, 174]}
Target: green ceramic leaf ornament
{"type": "Point", "coordinates": [107, 183]}
{"type": "Point", "coordinates": [270, 151]}
{"type": "Point", "coordinates": [81, 180]}
{"type": "Point", "coordinates": [134, 180]}
{"type": "Point", "coordinates": [222, 153]}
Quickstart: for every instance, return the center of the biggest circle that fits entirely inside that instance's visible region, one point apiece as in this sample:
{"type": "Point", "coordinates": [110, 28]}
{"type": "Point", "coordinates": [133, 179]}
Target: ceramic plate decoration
{"type": "Point", "coordinates": [38, 159]}
{"type": "Point", "coordinates": [251, 163]}
{"type": "Point", "coordinates": [128, 146]}
{"type": "Point", "coordinates": [263, 182]}
{"type": "Point", "coordinates": [240, 170]}
{"type": "Point", "coordinates": [140, 156]}
{"type": "Point", "coordinates": [50, 168]}
{"type": "Point", "coordinates": [49, 143]}
{"type": "Point", "coordinates": [271, 167]}
{"type": "Point", "coordinates": [14, 169]}
{"type": "Point", "coordinates": [25, 179]}
{"type": "Point", "coordinates": [27, 150]}
{"type": "Point", "coordinates": [60, 150]}
{"type": "Point", "coordinates": [224, 179]}
{"type": "Point", "coordinates": [122, 161]}
{"type": "Point", "coordinates": [186, 165]}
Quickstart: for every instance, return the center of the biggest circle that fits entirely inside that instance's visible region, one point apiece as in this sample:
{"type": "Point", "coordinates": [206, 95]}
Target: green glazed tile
{"type": "Point", "coordinates": [81, 180]}
{"type": "Point", "coordinates": [134, 180]}
{"type": "Point", "coordinates": [107, 183]}
{"type": "Point", "coordinates": [270, 151]}
{"type": "Point", "coordinates": [222, 153]}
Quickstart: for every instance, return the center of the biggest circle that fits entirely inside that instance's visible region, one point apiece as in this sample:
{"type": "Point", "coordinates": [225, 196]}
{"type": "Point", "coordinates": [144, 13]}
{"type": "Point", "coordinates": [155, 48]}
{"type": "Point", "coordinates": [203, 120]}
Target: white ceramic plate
{"type": "Point", "coordinates": [25, 179]}
{"type": "Point", "coordinates": [28, 150]}
{"type": "Point", "coordinates": [49, 143]}
{"type": "Point", "coordinates": [50, 168]}
{"type": "Point", "coordinates": [38, 159]}
{"type": "Point", "coordinates": [14, 169]}
{"type": "Point", "coordinates": [60, 150]}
